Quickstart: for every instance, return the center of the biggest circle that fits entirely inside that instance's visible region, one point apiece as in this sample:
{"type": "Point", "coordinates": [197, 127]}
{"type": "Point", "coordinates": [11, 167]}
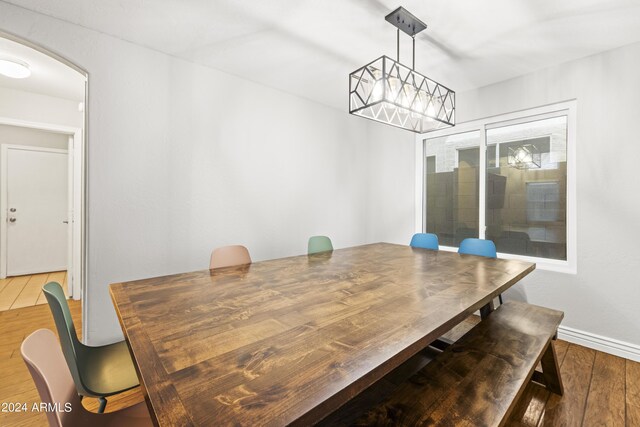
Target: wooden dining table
{"type": "Point", "coordinates": [289, 341]}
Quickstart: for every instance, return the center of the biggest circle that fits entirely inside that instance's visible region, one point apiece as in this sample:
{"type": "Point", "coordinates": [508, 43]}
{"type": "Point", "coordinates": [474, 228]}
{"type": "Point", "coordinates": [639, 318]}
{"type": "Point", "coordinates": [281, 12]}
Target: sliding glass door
{"type": "Point", "coordinates": [452, 187]}
{"type": "Point", "coordinates": [507, 179]}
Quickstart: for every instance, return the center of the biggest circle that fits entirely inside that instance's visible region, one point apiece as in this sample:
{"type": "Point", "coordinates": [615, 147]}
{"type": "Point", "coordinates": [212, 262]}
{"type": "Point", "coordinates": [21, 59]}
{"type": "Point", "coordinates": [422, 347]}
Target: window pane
{"type": "Point", "coordinates": [526, 188]}
{"type": "Point", "coordinates": [452, 187]}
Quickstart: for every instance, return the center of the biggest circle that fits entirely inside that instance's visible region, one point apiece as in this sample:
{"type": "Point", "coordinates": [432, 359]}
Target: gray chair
{"type": "Point", "coordinates": [96, 371]}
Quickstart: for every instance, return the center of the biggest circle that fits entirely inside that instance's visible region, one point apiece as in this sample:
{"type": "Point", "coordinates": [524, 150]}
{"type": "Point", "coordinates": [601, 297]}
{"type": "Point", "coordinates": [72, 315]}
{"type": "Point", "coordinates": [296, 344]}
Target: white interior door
{"type": "Point", "coordinates": [37, 210]}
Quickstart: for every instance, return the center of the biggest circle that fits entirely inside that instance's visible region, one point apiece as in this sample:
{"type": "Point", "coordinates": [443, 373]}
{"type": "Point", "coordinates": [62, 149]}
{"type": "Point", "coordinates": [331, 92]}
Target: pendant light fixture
{"type": "Point", "coordinates": [390, 92]}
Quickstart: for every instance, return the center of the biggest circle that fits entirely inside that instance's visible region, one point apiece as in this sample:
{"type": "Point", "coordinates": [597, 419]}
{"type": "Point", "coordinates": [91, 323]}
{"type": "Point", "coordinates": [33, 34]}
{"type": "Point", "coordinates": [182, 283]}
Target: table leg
{"type": "Point", "coordinates": [486, 309]}
{"type": "Point", "coordinates": [440, 344]}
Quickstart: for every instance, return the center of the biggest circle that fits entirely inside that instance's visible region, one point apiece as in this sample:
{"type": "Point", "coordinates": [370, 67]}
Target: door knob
{"type": "Point", "coordinates": [12, 220]}
{"type": "Point", "coordinates": [65, 222]}
{"type": "Point", "coordinates": [12, 210]}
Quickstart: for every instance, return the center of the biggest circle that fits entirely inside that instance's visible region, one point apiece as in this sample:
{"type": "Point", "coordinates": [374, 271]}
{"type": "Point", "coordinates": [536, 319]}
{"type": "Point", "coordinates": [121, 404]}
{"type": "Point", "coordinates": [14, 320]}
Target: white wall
{"type": "Point", "coordinates": [391, 184]}
{"type": "Point", "coordinates": [32, 137]}
{"type": "Point", "coordinates": [257, 166]}
{"type": "Point", "coordinates": [603, 297]}
{"type": "Point", "coordinates": [184, 158]}
{"type": "Point", "coordinates": [34, 107]}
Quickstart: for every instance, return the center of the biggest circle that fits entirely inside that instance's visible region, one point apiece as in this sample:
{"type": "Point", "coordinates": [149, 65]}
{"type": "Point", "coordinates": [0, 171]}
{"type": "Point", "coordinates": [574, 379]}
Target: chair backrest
{"type": "Point", "coordinates": [227, 256]}
{"type": "Point", "coordinates": [45, 361]}
{"type": "Point", "coordinates": [514, 242]}
{"type": "Point", "coordinates": [425, 241]}
{"type": "Point", "coordinates": [74, 351]}
{"type": "Point", "coordinates": [319, 244]}
{"type": "Point", "coordinates": [480, 247]}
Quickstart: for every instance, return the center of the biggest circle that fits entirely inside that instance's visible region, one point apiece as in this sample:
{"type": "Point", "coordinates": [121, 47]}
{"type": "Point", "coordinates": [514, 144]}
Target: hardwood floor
{"type": "Point", "coordinates": [26, 291]}
{"type": "Point", "coordinates": [16, 384]}
{"type": "Point", "coordinates": [600, 389]}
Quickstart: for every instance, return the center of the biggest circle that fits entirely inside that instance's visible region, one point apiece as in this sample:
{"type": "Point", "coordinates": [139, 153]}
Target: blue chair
{"type": "Point", "coordinates": [424, 241]}
{"type": "Point", "coordinates": [479, 247]}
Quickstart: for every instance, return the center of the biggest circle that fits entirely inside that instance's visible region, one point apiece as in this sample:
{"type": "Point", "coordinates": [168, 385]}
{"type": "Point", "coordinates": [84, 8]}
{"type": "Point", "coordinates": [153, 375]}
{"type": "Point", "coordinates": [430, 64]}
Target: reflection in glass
{"type": "Point", "coordinates": [524, 156]}
{"type": "Point", "coordinates": [452, 187]}
{"type": "Point", "coordinates": [526, 188]}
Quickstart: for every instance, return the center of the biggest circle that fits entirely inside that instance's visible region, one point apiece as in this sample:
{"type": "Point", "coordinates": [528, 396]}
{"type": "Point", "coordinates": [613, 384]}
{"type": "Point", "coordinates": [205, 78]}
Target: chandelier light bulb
{"type": "Point", "coordinates": [394, 87]}
{"type": "Point", "coordinates": [431, 109]}
{"type": "Point", "coordinates": [419, 103]}
{"type": "Point", "coordinates": [410, 95]}
{"type": "Point", "coordinates": [378, 90]}
{"type": "Point", "coordinates": [522, 155]}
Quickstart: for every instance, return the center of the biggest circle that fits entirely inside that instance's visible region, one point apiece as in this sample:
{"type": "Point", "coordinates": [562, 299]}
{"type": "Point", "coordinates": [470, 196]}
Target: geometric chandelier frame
{"type": "Point", "coordinates": [389, 92]}
{"type": "Point", "coordinates": [524, 156]}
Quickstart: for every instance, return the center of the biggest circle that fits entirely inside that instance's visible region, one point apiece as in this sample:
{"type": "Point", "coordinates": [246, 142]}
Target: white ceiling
{"type": "Point", "coordinates": [48, 76]}
{"type": "Point", "coordinates": [308, 47]}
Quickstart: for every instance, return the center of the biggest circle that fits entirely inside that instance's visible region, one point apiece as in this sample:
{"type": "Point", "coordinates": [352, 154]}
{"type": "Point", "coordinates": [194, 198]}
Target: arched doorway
{"type": "Point", "coordinates": [43, 123]}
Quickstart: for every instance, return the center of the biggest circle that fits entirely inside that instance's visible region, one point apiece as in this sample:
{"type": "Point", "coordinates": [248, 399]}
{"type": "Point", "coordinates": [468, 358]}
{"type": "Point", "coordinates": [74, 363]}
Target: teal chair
{"type": "Point", "coordinates": [97, 371]}
{"type": "Point", "coordinates": [425, 241]}
{"type": "Point", "coordinates": [319, 244]}
{"type": "Point", "coordinates": [479, 247]}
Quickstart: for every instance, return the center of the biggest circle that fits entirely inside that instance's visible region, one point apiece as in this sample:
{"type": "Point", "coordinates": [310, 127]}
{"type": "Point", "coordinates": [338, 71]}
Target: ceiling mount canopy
{"type": "Point", "coordinates": [404, 20]}
{"type": "Point", "coordinates": [389, 92]}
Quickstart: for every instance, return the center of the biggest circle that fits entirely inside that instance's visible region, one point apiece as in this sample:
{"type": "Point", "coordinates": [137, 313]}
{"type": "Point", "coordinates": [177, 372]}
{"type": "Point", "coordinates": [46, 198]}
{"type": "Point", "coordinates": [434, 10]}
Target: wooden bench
{"type": "Point", "coordinates": [478, 380]}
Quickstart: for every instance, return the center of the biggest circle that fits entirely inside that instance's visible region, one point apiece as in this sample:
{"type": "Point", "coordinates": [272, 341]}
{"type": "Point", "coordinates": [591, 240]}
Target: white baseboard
{"type": "Point", "coordinates": [598, 342]}
{"type": "Point", "coordinates": [32, 272]}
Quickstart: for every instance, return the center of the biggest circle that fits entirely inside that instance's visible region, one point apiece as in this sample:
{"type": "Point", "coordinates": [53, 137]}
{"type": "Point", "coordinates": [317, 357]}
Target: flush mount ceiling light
{"type": "Point", "coordinates": [14, 68]}
{"type": "Point", "coordinates": [526, 156]}
{"type": "Point", "coordinates": [389, 92]}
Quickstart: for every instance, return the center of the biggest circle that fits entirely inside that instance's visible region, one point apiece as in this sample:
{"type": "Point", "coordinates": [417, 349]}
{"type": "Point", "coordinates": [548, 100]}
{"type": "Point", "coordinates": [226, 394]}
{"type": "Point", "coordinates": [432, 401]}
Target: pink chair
{"type": "Point", "coordinates": [45, 361]}
{"type": "Point", "coordinates": [227, 256]}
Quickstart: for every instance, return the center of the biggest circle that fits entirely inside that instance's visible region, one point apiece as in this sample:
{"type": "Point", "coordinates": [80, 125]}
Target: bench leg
{"type": "Point", "coordinates": [486, 310]}
{"type": "Point", "coordinates": [440, 344]}
{"type": "Point", "coordinates": [551, 371]}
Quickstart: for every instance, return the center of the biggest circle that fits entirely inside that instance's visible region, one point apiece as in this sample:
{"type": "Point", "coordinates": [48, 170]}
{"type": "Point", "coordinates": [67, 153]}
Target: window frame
{"type": "Point", "coordinates": [569, 108]}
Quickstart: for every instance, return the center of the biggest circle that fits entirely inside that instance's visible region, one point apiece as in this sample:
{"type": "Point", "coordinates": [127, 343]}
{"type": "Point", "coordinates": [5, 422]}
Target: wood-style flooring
{"type": "Point", "coordinates": [600, 389]}
{"type": "Point", "coordinates": [26, 291]}
{"type": "Point", "coordinates": [16, 384]}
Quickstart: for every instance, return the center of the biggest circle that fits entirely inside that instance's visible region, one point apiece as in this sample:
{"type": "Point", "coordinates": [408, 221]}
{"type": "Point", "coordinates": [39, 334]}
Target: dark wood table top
{"type": "Point", "coordinates": [290, 340]}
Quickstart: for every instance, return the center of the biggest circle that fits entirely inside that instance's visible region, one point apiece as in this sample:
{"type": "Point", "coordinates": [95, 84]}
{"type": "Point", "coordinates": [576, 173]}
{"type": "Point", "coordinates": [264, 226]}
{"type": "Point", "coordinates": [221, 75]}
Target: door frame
{"type": "Point", "coordinates": [78, 178]}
